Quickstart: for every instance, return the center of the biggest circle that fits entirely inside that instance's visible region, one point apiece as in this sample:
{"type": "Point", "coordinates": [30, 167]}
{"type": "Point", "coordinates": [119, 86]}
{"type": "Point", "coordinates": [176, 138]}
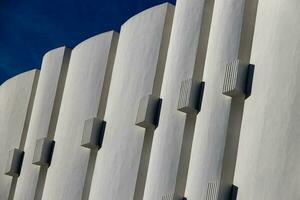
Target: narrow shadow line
{"type": "Point", "coordinates": [89, 175]}
{"type": "Point", "coordinates": [12, 188]}
{"type": "Point", "coordinates": [185, 154]}
{"type": "Point", "coordinates": [40, 183]}
{"type": "Point", "coordinates": [144, 164]}
{"type": "Point", "coordinates": [231, 147]}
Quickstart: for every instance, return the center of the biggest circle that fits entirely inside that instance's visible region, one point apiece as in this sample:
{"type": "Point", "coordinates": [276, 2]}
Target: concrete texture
{"type": "Point", "coordinates": [43, 120]}
{"type": "Point", "coordinates": [268, 164]}
{"type": "Point", "coordinates": [217, 126]}
{"type": "Point", "coordinates": [138, 72]}
{"type": "Point", "coordinates": [16, 98]}
{"type": "Point", "coordinates": [90, 65]}
{"type": "Point", "coordinates": [185, 60]}
{"type": "Point", "coordinates": [231, 140]}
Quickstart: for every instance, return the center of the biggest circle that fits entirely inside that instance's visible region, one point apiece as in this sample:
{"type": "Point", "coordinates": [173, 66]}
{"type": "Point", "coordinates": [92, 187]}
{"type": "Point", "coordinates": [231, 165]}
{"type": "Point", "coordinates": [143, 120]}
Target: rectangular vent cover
{"type": "Point", "coordinates": [190, 97]}
{"type": "Point", "coordinates": [93, 133]}
{"type": "Point", "coordinates": [43, 152]}
{"type": "Point", "coordinates": [235, 78]}
{"type": "Point", "coordinates": [212, 191]}
{"type": "Point", "coordinates": [149, 112]}
{"type": "Point", "coordinates": [14, 162]}
{"type": "Point", "coordinates": [173, 196]}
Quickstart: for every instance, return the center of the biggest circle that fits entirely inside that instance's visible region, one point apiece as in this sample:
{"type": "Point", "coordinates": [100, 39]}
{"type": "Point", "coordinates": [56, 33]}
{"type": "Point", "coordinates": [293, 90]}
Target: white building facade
{"type": "Point", "coordinates": [193, 101]}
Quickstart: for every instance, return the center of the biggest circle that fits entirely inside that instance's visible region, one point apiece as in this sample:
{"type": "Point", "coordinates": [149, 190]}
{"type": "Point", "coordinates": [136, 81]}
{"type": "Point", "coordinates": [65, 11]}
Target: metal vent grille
{"type": "Point", "coordinates": [231, 76]}
{"type": "Point", "coordinates": [173, 196]}
{"type": "Point", "coordinates": [149, 112]}
{"type": "Point", "coordinates": [168, 197]}
{"type": "Point", "coordinates": [212, 191]}
{"type": "Point", "coordinates": [185, 92]}
{"type": "Point", "coordinates": [235, 78]}
{"type": "Point", "coordinates": [190, 97]}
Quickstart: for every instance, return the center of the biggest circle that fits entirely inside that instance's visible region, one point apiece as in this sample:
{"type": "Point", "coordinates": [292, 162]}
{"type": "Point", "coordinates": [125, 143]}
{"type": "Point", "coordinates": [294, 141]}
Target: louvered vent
{"type": "Point", "coordinates": [173, 196]}
{"type": "Point", "coordinates": [190, 97]}
{"type": "Point", "coordinates": [168, 197]}
{"type": "Point", "coordinates": [235, 79]}
{"type": "Point", "coordinates": [149, 112]}
{"type": "Point", "coordinates": [212, 191]}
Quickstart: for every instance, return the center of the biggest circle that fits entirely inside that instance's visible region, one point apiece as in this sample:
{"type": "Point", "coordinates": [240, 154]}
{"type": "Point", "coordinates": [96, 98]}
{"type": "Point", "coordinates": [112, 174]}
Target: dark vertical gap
{"type": "Point", "coordinates": [101, 113]}
{"type": "Point", "coordinates": [185, 154]}
{"type": "Point", "coordinates": [231, 147]}
{"type": "Point", "coordinates": [249, 19]}
{"type": "Point", "coordinates": [203, 39]}
{"type": "Point", "coordinates": [29, 110]}
{"type": "Point", "coordinates": [59, 93]}
{"type": "Point", "coordinates": [107, 77]}
{"type": "Point", "coordinates": [41, 183]}
{"type": "Point", "coordinates": [237, 104]}
{"type": "Point", "coordinates": [163, 51]}
{"type": "Point", "coordinates": [89, 175]}
{"type": "Point", "coordinates": [12, 188]}
{"type": "Point", "coordinates": [144, 164]}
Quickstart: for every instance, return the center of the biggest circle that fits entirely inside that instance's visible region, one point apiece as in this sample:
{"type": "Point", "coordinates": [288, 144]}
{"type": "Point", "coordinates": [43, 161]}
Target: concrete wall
{"type": "Point", "coordinates": [229, 40]}
{"type": "Point", "coordinates": [137, 72]}
{"type": "Point", "coordinates": [43, 120]}
{"type": "Point", "coordinates": [251, 142]}
{"type": "Point", "coordinates": [16, 99]}
{"type": "Point", "coordinates": [268, 164]}
{"type": "Point", "coordinates": [90, 65]}
{"type": "Point", "coordinates": [168, 165]}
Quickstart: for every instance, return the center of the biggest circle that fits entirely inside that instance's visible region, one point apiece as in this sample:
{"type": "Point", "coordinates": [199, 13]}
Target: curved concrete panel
{"type": "Point", "coordinates": [16, 99]}
{"type": "Point", "coordinates": [43, 119]}
{"type": "Point", "coordinates": [224, 46]}
{"type": "Point", "coordinates": [90, 65]}
{"type": "Point", "coordinates": [138, 72]}
{"type": "Point", "coordinates": [185, 60]}
{"type": "Point", "coordinates": [268, 164]}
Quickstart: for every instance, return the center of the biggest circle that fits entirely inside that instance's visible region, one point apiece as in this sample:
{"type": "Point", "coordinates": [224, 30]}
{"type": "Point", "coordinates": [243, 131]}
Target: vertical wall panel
{"type": "Point", "coordinates": [268, 164]}
{"type": "Point", "coordinates": [211, 125]}
{"type": "Point", "coordinates": [185, 60]}
{"type": "Point", "coordinates": [81, 100]}
{"type": "Point", "coordinates": [16, 98]}
{"type": "Point", "coordinates": [45, 109]}
{"type": "Point", "coordinates": [138, 71]}
{"type": "Point", "coordinates": [191, 154]}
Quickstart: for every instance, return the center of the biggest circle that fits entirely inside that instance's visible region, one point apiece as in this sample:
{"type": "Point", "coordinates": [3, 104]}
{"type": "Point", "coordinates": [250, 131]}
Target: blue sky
{"type": "Point", "coordinates": [28, 29]}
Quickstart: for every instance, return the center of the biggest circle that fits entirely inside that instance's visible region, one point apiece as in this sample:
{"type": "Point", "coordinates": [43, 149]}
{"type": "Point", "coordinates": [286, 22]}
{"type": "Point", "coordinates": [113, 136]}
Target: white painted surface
{"type": "Point", "coordinates": [51, 69]}
{"type": "Point", "coordinates": [81, 99]}
{"type": "Point", "coordinates": [15, 97]}
{"type": "Point", "coordinates": [133, 77]}
{"type": "Point", "coordinates": [268, 165]}
{"type": "Point", "coordinates": [180, 65]}
{"type": "Point", "coordinates": [211, 125]}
